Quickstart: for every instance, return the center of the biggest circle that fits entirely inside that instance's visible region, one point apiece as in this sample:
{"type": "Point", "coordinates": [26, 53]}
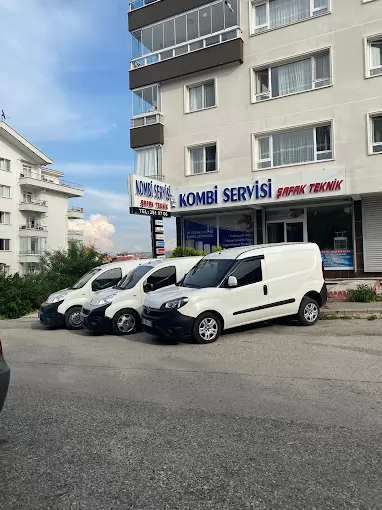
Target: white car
{"type": "Point", "coordinates": [63, 308]}
{"type": "Point", "coordinates": [239, 286]}
{"type": "Point", "coordinates": [119, 308]}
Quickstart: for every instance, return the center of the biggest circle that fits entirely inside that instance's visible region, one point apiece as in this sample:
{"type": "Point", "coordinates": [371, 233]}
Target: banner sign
{"type": "Point", "coordinates": [148, 197]}
{"type": "Point", "coordinates": [338, 259]}
{"type": "Point", "coordinates": [327, 182]}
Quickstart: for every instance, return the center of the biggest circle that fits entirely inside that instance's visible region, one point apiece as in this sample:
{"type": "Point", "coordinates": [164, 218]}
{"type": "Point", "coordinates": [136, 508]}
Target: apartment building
{"type": "Point", "coordinates": [33, 204]}
{"type": "Point", "coordinates": [265, 116]}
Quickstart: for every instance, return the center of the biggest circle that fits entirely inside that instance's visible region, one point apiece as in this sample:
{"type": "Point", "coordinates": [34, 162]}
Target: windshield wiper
{"type": "Point", "coordinates": [192, 286]}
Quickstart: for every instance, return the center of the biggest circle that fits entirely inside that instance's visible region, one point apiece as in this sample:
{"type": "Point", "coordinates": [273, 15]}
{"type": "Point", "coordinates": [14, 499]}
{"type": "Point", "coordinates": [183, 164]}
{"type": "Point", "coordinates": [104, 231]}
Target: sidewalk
{"type": "Point", "coordinates": [355, 310]}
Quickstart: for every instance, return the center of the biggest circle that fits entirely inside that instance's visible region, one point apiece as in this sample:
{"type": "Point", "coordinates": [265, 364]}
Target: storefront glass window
{"type": "Point", "coordinates": [331, 227]}
{"type": "Point", "coordinates": [201, 233]}
{"type": "Point", "coordinates": [236, 230]}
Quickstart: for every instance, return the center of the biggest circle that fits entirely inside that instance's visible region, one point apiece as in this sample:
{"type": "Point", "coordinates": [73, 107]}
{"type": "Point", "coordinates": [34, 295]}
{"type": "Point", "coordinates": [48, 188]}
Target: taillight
{"type": "Point", "coordinates": [1, 350]}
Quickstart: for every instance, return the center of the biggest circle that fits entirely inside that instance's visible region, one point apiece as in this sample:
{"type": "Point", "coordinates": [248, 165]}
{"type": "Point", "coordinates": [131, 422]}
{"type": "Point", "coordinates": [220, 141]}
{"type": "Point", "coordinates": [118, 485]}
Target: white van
{"type": "Point", "coordinates": [121, 306]}
{"type": "Point", "coordinates": [239, 286]}
{"type": "Point", "coordinates": [64, 307]}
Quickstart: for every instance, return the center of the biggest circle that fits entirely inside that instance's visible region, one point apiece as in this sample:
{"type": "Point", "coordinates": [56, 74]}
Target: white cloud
{"type": "Point", "coordinates": [39, 40]}
{"type": "Point", "coordinates": [97, 230]}
{"type": "Point", "coordinates": [170, 244]}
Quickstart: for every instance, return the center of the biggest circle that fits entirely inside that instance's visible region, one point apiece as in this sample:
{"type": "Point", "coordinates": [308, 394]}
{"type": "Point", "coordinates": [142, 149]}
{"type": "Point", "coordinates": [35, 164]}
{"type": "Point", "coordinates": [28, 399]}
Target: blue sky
{"type": "Point", "coordinates": [66, 65]}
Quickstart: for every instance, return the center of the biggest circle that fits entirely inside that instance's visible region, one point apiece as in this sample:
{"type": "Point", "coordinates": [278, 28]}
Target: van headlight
{"type": "Point", "coordinates": [174, 304]}
{"type": "Point", "coordinates": [107, 299]}
{"type": "Point", "coordinates": [57, 298]}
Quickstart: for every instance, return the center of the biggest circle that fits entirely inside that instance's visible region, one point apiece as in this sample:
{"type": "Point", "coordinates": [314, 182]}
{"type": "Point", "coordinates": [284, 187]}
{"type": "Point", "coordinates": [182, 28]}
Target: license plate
{"type": "Point", "coordinates": [147, 323]}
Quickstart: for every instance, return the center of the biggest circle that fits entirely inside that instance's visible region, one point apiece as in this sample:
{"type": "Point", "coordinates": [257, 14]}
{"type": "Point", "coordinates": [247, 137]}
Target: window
{"type": "Point", "coordinates": [375, 56]}
{"type": "Point", "coordinates": [27, 197]}
{"type": "Point", "coordinates": [27, 171]}
{"type": "Point", "coordinates": [5, 218]}
{"type": "Point", "coordinates": [183, 33]}
{"type": "Point", "coordinates": [203, 159]}
{"type": "Point", "coordinates": [303, 145]}
{"type": "Point", "coordinates": [5, 191]}
{"type": "Point", "coordinates": [32, 245]}
{"type": "Point", "coordinates": [278, 13]}
{"type": "Point", "coordinates": [5, 165]}
{"type": "Point", "coordinates": [163, 277]}
{"type": "Point", "coordinates": [201, 96]}
{"type": "Point", "coordinates": [201, 233]}
{"type": "Point", "coordinates": [6, 270]}
{"type": "Point", "coordinates": [248, 272]}
{"type": "Point", "coordinates": [146, 105]}
{"type": "Point", "coordinates": [148, 162]}
{"type": "Point", "coordinates": [376, 134]}
{"type": "Point", "coordinates": [107, 279]}
{"type": "Point", "coordinates": [5, 244]}
{"type": "Point", "coordinates": [307, 74]}
{"type": "Point", "coordinates": [32, 223]}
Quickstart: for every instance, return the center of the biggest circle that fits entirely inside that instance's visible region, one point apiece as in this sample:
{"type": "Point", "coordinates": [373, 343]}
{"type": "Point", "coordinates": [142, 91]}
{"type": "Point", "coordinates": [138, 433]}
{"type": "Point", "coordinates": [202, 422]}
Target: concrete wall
{"type": "Point", "coordinates": [234, 120]}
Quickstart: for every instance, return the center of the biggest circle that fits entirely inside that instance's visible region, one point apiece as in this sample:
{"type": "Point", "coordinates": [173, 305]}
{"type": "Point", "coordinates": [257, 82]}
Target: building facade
{"type": "Point", "coordinates": [266, 119]}
{"type": "Point", "coordinates": [33, 204]}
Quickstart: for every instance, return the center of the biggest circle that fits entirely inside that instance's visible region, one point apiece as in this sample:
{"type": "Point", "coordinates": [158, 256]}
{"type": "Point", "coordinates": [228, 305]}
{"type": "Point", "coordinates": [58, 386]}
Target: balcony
{"type": "Point", "coordinates": [40, 181]}
{"type": "Point", "coordinates": [33, 231]}
{"type": "Point", "coordinates": [76, 213]}
{"type": "Point", "coordinates": [147, 121]}
{"type": "Point", "coordinates": [33, 205]}
{"type": "Point", "coordinates": [171, 49]}
{"type": "Point", "coordinates": [32, 256]}
{"type": "Point", "coordinates": [76, 235]}
{"type": "Point", "coordinates": [146, 12]}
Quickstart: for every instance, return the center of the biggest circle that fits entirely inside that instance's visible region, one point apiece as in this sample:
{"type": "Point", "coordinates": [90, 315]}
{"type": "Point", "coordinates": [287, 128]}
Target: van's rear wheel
{"type": "Point", "coordinates": [126, 322]}
{"type": "Point", "coordinates": [309, 312]}
{"type": "Point", "coordinates": [207, 328]}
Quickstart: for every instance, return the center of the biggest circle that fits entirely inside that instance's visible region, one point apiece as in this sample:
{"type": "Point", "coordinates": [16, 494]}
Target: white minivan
{"type": "Point", "coordinates": [63, 308]}
{"type": "Point", "coordinates": [121, 306]}
{"type": "Point", "coordinates": [239, 286]}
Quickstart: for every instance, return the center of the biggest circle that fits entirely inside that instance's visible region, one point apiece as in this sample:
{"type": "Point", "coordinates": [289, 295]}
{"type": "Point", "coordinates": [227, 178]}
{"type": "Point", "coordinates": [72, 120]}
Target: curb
{"type": "Point", "coordinates": [351, 314]}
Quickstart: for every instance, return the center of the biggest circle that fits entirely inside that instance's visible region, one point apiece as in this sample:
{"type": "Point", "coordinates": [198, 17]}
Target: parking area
{"type": "Point", "coordinates": [271, 416]}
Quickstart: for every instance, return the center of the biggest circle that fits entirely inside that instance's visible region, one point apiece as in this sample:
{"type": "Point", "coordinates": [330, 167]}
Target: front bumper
{"type": "Point", "coordinates": [49, 315]}
{"type": "Point", "coordinates": [5, 375]}
{"type": "Point", "coordinates": [169, 324]}
{"type": "Point", "coordinates": [93, 318]}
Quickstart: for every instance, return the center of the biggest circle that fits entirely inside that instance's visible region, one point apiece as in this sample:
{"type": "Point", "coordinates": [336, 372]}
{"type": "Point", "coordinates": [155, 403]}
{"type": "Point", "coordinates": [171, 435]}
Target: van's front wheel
{"type": "Point", "coordinates": [309, 312]}
{"type": "Point", "coordinates": [207, 328]}
{"type": "Point", "coordinates": [126, 322]}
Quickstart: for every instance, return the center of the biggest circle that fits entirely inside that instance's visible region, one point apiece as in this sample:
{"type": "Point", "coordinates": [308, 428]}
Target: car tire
{"type": "Point", "coordinates": [126, 322]}
{"type": "Point", "coordinates": [308, 312]}
{"type": "Point", "coordinates": [207, 328]}
{"type": "Point", "coordinates": [72, 318]}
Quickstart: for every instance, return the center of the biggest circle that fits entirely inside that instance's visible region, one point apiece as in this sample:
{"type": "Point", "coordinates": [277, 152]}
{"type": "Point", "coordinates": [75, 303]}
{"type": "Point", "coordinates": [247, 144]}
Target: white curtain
{"type": "Point", "coordinates": [376, 54]}
{"type": "Point", "coordinates": [291, 78]}
{"type": "Point", "coordinates": [196, 98]}
{"type": "Point", "coordinates": [293, 147]}
{"type": "Point", "coordinates": [197, 160]}
{"type": "Point", "coordinates": [261, 15]}
{"type": "Point", "coordinates": [285, 12]}
{"type": "Point", "coordinates": [146, 162]}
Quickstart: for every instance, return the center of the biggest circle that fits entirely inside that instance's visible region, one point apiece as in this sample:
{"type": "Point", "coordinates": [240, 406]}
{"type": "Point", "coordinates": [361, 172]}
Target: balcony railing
{"type": "Point", "coordinates": [176, 51]}
{"type": "Point", "coordinates": [51, 180]}
{"type": "Point", "coordinates": [137, 4]}
{"type": "Point", "coordinates": [32, 252]}
{"type": "Point", "coordinates": [75, 233]}
{"type": "Point", "coordinates": [40, 228]}
{"type": "Point", "coordinates": [76, 209]}
{"type": "Point", "coordinates": [147, 120]}
{"type": "Point", "coordinates": [34, 202]}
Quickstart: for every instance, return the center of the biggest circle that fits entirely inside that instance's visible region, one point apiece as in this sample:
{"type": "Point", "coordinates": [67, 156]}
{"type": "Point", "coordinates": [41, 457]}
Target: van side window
{"type": "Point", "coordinates": [163, 277]}
{"type": "Point", "coordinates": [107, 279]}
{"type": "Point", "coordinates": [248, 272]}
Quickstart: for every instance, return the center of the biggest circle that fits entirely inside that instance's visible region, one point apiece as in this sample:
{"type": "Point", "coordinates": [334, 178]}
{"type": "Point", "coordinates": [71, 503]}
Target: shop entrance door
{"type": "Point", "coordinates": [285, 232]}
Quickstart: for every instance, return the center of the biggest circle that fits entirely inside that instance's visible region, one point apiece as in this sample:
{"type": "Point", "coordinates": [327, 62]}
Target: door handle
{"type": "Point", "coordinates": [265, 289]}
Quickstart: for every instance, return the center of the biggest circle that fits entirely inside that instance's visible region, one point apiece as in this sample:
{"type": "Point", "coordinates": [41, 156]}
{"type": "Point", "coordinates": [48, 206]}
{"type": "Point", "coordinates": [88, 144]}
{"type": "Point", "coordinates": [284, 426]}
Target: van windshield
{"type": "Point", "coordinates": [131, 279]}
{"type": "Point", "coordinates": [84, 279]}
{"type": "Point", "coordinates": [208, 273]}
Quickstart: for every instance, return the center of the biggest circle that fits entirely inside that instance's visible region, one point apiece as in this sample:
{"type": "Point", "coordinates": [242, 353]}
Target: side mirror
{"type": "Point", "coordinates": [148, 287]}
{"type": "Point", "coordinates": [232, 282]}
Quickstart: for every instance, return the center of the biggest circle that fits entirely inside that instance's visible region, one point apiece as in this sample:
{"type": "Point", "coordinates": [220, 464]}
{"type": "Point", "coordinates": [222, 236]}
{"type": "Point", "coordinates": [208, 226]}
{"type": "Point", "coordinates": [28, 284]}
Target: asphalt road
{"type": "Point", "coordinates": [273, 417]}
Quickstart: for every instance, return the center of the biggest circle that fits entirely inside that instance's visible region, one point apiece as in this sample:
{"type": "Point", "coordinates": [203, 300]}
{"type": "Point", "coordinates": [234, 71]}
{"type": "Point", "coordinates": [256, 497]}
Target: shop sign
{"type": "Point", "coordinates": [148, 197]}
{"type": "Point", "coordinates": [282, 188]}
{"type": "Point", "coordinates": [338, 259]}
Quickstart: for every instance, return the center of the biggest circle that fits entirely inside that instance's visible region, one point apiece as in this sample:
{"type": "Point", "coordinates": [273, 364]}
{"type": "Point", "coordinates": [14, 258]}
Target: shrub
{"type": "Point", "coordinates": [217, 248]}
{"type": "Point", "coordinates": [186, 252]}
{"type": "Point", "coordinates": [362, 294]}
